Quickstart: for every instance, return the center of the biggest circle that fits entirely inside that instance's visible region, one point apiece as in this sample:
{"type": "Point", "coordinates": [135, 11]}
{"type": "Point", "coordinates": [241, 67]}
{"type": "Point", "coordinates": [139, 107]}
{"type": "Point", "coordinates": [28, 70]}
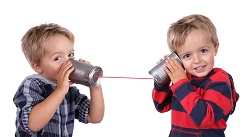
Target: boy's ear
{"type": "Point", "coordinates": [36, 67]}
{"type": "Point", "coordinates": [216, 48]}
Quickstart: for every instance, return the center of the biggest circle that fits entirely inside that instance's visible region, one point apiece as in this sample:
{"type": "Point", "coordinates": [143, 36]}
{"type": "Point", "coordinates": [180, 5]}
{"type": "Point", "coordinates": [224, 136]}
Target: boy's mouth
{"type": "Point", "coordinates": [199, 68]}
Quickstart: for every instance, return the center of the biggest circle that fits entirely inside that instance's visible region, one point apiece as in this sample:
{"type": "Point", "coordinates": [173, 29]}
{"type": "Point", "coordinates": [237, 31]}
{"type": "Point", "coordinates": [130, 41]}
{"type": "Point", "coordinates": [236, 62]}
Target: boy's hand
{"type": "Point", "coordinates": [63, 81]}
{"type": "Point", "coordinates": [162, 59]}
{"type": "Point", "coordinates": [174, 70]}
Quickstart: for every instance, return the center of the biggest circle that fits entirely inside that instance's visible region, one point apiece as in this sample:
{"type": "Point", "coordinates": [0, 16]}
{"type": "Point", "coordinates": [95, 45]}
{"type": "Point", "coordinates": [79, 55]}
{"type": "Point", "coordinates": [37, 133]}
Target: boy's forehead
{"type": "Point", "coordinates": [58, 49]}
{"type": "Point", "coordinates": [195, 39]}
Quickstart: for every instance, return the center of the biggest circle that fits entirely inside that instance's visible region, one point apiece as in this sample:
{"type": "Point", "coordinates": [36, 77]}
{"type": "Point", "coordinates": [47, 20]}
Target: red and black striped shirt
{"type": "Point", "coordinates": [199, 106]}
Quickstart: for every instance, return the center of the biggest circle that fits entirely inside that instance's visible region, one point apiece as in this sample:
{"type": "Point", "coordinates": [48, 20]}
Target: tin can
{"type": "Point", "coordinates": [158, 72]}
{"type": "Point", "coordinates": [85, 73]}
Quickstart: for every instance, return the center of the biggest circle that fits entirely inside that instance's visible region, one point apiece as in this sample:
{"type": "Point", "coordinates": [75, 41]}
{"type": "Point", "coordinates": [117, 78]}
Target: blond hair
{"type": "Point", "coordinates": [179, 30]}
{"type": "Point", "coordinates": [33, 40]}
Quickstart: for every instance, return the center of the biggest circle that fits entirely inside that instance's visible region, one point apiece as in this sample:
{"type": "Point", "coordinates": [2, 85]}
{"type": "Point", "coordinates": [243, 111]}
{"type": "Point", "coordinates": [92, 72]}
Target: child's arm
{"type": "Point", "coordinates": [215, 104]}
{"type": "Point", "coordinates": [44, 111]}
{"type": "Point", "coordinates": [162, 97]}
{"type": "Point", "coordinates": [96, 110]}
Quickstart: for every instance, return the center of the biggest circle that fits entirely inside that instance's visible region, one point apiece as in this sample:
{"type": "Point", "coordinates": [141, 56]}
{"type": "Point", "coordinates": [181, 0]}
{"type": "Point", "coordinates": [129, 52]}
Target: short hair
{"type": "Point", "coordinates": [179, 30]}
{"type": "Point", "coordinates": [33, 40]}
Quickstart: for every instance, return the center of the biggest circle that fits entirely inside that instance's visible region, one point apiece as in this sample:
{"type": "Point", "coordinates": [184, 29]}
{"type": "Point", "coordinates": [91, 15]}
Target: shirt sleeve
{"type": "Point", "coordinates": [162, 97]}
{"type": "Point", "coordinates": [27, 96]}
{"type": "Point", "coordinates": [82, 104]}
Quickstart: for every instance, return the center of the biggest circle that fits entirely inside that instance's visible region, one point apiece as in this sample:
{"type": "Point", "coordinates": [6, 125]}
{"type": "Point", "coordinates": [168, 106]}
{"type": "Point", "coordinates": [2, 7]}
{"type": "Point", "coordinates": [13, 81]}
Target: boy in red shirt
{"type": "Point", "coordinates": [201, 98]}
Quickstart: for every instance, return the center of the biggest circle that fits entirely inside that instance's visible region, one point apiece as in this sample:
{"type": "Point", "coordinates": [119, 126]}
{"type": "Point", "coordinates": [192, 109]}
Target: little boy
{"type": "Point", "coordinates": [47, 102]}
{"type": "Point", "coordinates": [201, 98]}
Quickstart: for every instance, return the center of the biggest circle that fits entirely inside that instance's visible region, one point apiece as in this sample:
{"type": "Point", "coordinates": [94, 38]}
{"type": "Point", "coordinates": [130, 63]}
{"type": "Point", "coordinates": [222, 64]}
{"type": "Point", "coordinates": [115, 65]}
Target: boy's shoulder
{"type": "Point", "coordinates": [221, 74]}
{"type": "Point", "coordinates": [38, 79]}
{"type": "Point", "coordinates": [35, 81]}
{"type": "Point", "coordinates": [219, 70]}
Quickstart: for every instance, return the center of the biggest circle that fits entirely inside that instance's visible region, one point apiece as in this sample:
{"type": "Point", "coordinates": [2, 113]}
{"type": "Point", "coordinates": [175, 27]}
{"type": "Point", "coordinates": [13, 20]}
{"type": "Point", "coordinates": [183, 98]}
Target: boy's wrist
{"type": "Point", "coordinates": [95, 87]}
{"type": "Point", "coordinates": [160, 87]}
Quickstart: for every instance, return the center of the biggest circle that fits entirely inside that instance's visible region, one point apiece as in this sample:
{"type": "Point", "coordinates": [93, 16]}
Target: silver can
{"type": "Point", "coordinates": [85, 73]}
{"type": "Point", "coordinates": [158, 72]}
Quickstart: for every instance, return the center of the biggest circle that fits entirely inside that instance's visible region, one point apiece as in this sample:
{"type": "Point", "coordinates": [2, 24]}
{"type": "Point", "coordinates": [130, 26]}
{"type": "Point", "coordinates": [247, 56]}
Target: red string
{"type": "Point", "coordinates": [122, 77]}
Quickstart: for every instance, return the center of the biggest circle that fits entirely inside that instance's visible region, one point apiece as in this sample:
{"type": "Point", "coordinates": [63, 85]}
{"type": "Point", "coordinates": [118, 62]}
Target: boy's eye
{"type": "Point", "coordinates": [204, 50]}
{"type": "Point", "coordinates": [71, 55]}
{"type": "Point", "coordinates": [187, 56]}
{"type": "Point", "coordinates": [57, 58]}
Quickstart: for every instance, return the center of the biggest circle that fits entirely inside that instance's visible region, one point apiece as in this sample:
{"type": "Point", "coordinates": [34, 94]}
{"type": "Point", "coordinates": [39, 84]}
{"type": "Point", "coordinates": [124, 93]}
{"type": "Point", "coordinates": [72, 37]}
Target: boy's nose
{"type": "Point", "coordinates": [67, 58]}
{"type": "Point", "coordinates": [196, 59]}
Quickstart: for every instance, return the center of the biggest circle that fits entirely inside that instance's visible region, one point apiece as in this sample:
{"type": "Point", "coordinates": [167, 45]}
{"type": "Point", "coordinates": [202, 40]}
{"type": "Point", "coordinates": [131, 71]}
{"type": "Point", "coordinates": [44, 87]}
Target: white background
{"type": "Point", "coordinates": [125, 38]}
